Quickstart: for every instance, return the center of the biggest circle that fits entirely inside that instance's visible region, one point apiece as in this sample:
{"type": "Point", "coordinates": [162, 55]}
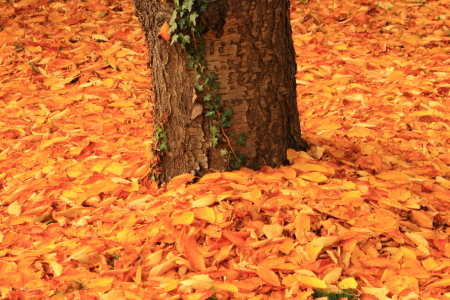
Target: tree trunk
{"type": "Point", "coordinates": [254, 59]}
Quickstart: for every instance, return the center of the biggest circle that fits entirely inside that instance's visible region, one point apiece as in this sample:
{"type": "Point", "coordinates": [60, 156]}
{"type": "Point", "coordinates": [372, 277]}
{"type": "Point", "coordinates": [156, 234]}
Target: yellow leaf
{"type": "Point", "coordinates": [272, 231]}
{"type": "Point", "coordinates": [51, 142]}
{"type": "Point", "coordinates": [313, 250]}
{"type": "Point", "coordinates": [161, 268]}
{"type": "Point", "coordinates": [399, 194]}
{"type": "Point", "coordinates": [329, 127]}
{"type": "Point", "coordinates": [50, 80]}
{"type": "Point", "coordinates": [127, 236]}
{"type": "Point", "coordinates": [325, 241]}
{"type": "Point", "coordinates": [340, 46]}
{"type": "Point", "coordinates": [88, 259]}
{"type": "Point", "coordinates": [99, 285]}
{"type": "Point", "coordinates": [110, 51]}
{"type": "Point", "coordinates": [211, 177]}
{"type": "Point", "coordinates": [256, 196]}
{"type": "Point", "coordinates": [429, 264]}
{"type": "Point", "coordinates": [121, 104]}
{"type": "Point", "coordinates": [379, 293]}
{"type": "Point", "coordinates": [70, 194]}
{"type": "Point", "coordinates": [407, 253]}
{"type": "Point", "coordinates": [332, 276]}
{"type": "Point", "coordinates": [289, 173]}
{"type": "Point", "coordinates": [291, 154]}
{"type": "Point", "coordinates": [417, 239]}
{"type": "Point", "coordinates": [302, 222]}
{"type": "Point", "coordinates": [314, 177]}
{"type": "Point", "coordinates": [71, 213]}
{"type": "Point", "coordinates": [205, 201]}
{"type": "Point", "coordinates": [108, 82]}
{"type": "Point", "coordinates": [15, 209]}
{"type": "Point", "coordinates": [439, 283]}
{"type": "Point", "coordinates": [225, 287]}
{"type": "Point", "coordinates": [183, 218]}
{"type": "Point", "coordinates": [60, 115]}
{"type": "Point", "coordinates": [348, 283]}
{"type": "Point", "coordinates": [312, 168]}
{"type": "Point", "coordinates": [235, 177]}
{"type": "Point", "coordinates": [57, 267]}
{"type": "Point", "coordinates": [311, 281]}
{"type": "Point", "coordinates": [199, 282]}
{"type": "Point", "coordinates": [396, 284]}
{"type": "Point", "coordinates": [421, 219]}
{"type": "Point", "coordinates": [392, 176]}
{"type": "Point", "coordinates": [115, 168]}
{"type": "Point", "coordinates": [206, 213]}
{"type": "Point", "coordinates": [171, 285]}
{"type": "Point", "coordinates": [100, 37]}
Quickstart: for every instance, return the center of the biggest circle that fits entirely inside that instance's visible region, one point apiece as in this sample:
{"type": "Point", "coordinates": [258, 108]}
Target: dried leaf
{"type": "Point", "coordinates": [268, 275]}
{"type": "Point", "coordinates": [164, 31]}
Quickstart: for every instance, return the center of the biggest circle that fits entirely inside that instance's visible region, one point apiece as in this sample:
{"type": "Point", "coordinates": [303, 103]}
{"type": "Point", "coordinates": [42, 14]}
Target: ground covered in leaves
{"type": "Point", "coordinates": [367, 208]}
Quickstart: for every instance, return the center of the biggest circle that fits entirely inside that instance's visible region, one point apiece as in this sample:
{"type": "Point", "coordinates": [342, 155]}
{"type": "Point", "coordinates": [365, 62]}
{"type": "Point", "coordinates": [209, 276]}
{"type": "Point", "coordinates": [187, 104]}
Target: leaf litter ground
{"type": "Point", "coordinates": [367, 208]}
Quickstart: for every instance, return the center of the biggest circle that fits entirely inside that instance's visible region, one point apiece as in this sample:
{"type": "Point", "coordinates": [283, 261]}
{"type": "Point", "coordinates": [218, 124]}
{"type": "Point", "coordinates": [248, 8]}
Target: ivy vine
{"type": "Point", "coordinates": [187, 29]}
{"type": "Point", "coordinates": [161, 137]}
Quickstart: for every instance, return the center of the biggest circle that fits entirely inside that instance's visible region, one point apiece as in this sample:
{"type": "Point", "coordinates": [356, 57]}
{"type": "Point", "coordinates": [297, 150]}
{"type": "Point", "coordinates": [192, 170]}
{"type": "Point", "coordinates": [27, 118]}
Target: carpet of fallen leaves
{"type": "Point", "coordinates": [368, 207]}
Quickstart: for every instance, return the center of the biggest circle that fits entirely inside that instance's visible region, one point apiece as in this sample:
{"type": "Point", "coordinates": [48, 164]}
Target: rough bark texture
{"type": "Point", "coordinates": [254, 58]}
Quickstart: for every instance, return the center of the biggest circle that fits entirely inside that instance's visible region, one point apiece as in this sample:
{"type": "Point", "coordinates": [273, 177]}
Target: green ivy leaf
{"type": "Point", "coordinates": [187, 5]}
{"type": "Point", "coordinates": [214, 130]}
{"type": "Point", "coordinates": [212, 107]}
{"type": "Point", "coordinates": [173, 22]}
{"type": "Point", "coordinates": [198, 86]}
{"type": "Point", "coordinates": [190, 63]}
{"type": "Point", "coordinates": [214, 141]}
{"type": "Point", "coordinates": [207, 97]}
{"type": "Point", "coordinates": [209, 114]}
{"type": "Point", "coordinates": [174, 39]}
{"type": "Point", "coordinates": [163, 146]}
{"type": "Point", "coordinates": [193, 18]}
{"type": "Point", "coordinates": [223, 151]}
{"type": "Point", "coordinates": [185, 39]}
{"type": "Point", "coordinates": [241, 161]}
{"type": "Point", "coordinates": [241, 140]}
{"type": "Point", "coordinates": [228, 113]}
{"type": "Point", "coordinates": [182, 23]}
{"type": "Point", "coordinates": [225, 123]}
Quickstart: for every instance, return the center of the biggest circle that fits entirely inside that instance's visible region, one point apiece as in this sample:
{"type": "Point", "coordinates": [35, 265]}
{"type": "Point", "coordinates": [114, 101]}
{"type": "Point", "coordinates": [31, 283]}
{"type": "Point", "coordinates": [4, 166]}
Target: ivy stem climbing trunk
{"type": "Point", "coordinates": [253, 56]}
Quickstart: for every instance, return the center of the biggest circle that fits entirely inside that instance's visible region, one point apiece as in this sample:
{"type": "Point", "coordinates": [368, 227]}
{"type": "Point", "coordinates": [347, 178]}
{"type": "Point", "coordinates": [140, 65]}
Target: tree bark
{"type": "Point", "coordinates": [254, 59]}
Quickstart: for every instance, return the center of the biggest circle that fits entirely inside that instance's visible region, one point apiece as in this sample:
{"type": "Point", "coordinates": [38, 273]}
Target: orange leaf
{"type": "Point", "coordinates": [194, 257]}
{"type": "Point", "coordinates": [396, 75]}
{"type": "Point", "coordinates": [60, 63]}
{"type": "Point", "coordinates": [234, 238]}
{"type": "Point", "coordinates": [380, 262]}
{"type": "Point", "coordinates": [164, 31]}
{"type": "Point", "coordinates": [179, 180]}
{"type": "Point", "coordinates": [268, 275]}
